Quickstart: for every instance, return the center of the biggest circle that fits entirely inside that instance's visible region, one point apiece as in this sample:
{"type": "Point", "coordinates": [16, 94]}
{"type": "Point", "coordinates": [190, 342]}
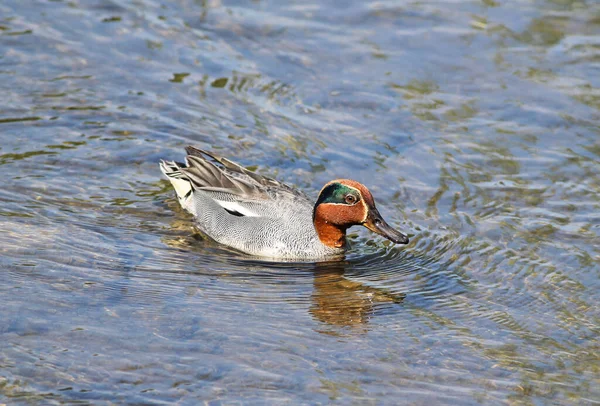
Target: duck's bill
{"type": "Point", "coordinates": [378, 225]}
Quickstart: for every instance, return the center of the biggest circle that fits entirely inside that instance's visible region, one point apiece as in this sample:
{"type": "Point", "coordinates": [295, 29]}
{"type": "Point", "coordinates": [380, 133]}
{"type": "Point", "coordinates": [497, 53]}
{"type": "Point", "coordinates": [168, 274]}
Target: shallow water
{"type": "Point", "coordinates": [474, 123]}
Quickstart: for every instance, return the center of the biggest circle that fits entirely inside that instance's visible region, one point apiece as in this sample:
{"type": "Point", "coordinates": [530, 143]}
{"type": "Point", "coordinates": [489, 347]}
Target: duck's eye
{"type": "Point", "coordinates": [350, 199]}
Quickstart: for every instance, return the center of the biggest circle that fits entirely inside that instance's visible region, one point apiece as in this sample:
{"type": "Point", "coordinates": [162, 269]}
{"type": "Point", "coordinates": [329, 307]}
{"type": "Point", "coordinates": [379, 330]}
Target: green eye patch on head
{"type": "Point", "coordinates": [336, 193]}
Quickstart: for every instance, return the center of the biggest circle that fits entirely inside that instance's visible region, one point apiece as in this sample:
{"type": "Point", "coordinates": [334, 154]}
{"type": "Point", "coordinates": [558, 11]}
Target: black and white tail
{"type": "Point", "coordinates": [181, 183]}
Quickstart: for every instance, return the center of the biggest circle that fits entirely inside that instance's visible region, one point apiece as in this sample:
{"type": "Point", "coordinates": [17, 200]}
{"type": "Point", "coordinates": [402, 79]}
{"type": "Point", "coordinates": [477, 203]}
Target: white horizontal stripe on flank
{"type": "Point", "coordinates": [233, 206]}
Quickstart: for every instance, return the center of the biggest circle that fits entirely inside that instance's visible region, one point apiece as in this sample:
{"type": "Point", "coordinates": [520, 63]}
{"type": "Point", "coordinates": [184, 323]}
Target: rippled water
{"type": "Point", "coordinates": [474, 123]}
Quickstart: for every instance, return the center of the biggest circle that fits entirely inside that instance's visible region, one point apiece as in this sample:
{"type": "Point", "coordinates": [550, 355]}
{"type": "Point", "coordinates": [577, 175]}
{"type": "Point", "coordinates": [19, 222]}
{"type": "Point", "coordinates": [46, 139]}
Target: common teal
{"type": "Point", "coordinates": [263, 217]}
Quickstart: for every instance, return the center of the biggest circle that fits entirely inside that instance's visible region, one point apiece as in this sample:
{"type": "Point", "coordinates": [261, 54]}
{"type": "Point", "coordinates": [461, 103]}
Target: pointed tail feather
{"type": "Point", "coordinates": [183, 187]}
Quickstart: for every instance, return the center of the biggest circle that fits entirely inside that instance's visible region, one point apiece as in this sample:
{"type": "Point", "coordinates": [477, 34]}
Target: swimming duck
{"type": "Point", "coordinates": [263, 217]}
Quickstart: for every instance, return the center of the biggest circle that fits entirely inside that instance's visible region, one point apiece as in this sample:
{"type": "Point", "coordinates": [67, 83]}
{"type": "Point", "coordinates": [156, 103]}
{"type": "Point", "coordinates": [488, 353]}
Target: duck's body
{"type": "Point", "coordinates": [261, 216]}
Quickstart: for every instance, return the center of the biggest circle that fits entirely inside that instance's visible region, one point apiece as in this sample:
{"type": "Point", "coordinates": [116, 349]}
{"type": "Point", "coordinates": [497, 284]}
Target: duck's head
{"type": "Point", "coordinates": [343, 203]}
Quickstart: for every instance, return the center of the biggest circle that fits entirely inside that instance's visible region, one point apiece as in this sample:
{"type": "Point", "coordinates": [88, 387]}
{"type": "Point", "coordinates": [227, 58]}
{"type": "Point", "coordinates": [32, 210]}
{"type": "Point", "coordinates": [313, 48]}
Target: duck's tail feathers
{"type": "Point", "coordinates": [182, 185]}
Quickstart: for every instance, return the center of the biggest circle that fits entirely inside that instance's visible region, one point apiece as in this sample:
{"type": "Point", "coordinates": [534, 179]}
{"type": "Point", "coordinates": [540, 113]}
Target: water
{"type": "Point", "coordinates": [474, 124]}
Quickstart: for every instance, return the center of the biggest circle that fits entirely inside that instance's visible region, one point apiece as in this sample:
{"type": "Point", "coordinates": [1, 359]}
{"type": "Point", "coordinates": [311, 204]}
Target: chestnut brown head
{"type": "Point", "coordinates": [343, 203]}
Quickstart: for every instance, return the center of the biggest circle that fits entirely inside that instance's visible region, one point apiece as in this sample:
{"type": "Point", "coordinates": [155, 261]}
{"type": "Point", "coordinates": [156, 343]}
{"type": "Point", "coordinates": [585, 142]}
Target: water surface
{"type": "Point", "coordinates": [474, 123]}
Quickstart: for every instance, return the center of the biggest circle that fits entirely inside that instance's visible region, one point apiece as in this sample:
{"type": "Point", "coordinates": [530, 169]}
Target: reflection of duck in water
{"type": "Point", "coordinates": [340, 301]}
{"type": "Point", "coordinates": [261, 216]}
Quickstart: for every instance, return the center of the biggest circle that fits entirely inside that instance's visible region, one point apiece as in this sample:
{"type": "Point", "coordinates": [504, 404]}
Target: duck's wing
{"type": "Point", "coordinates": [235, 188]}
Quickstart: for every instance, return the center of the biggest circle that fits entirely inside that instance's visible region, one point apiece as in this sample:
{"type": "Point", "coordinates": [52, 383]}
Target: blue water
{"type": "Point", "coordinates": [474, 124]}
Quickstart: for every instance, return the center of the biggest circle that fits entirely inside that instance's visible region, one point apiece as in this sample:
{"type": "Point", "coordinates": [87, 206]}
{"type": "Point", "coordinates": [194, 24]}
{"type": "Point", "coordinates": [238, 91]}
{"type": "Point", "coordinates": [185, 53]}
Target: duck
{"type": "Point", "coordinates": [263, 217]}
